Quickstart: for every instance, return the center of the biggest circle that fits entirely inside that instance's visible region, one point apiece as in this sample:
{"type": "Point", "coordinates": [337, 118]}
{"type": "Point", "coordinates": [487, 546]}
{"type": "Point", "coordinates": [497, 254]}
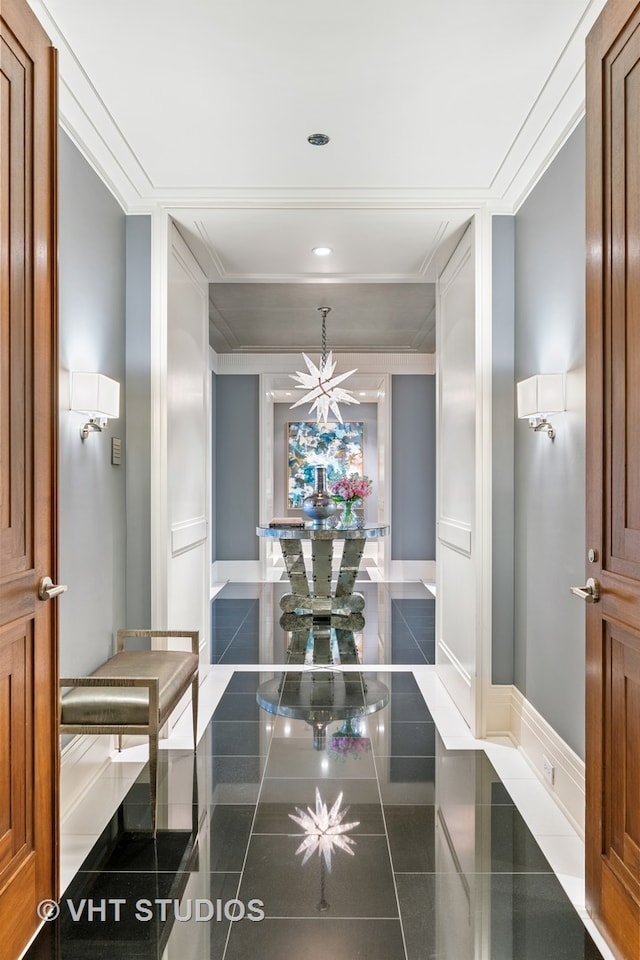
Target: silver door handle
{"type": "Point", "coordinates": [47, 589]}
{"type": "Point", "coordinates": [590, 593]}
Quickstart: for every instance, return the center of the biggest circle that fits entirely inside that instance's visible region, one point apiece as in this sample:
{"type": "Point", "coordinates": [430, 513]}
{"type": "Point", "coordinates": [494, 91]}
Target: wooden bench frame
{"type": "Point", "coordinates": [158, 713]}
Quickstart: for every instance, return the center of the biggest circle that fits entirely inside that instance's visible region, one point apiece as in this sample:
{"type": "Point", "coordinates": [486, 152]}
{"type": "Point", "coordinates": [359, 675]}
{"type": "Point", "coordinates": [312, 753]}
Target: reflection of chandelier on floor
{"type": "Point", "coordinates": [323, 392]}
{"type": "Point", "coordinates": [324, 830]}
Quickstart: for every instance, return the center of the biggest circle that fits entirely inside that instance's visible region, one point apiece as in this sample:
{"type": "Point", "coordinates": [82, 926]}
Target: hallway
{"type": "Point", "coordinates": [431, 845]}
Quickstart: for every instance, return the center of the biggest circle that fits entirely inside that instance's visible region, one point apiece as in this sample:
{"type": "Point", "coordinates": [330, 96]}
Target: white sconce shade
{"type": "Point", "coordinates": [539, 397]}
{"type": "Point", "coordinates": [98, 397]}
{"type": "Point", "coordinates": [95, 395]}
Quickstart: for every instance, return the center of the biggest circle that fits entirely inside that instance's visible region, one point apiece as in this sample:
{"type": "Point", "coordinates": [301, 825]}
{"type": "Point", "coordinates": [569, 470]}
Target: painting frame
{"type": "Point", "coordinates": [339, 447]}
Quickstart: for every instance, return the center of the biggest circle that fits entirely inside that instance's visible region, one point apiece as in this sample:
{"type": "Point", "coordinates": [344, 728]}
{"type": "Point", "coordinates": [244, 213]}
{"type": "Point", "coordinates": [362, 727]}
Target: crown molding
{"type": "Point", "coordinates": [287, 363]}
{"type": "Point", "coordinates": [551, 119]}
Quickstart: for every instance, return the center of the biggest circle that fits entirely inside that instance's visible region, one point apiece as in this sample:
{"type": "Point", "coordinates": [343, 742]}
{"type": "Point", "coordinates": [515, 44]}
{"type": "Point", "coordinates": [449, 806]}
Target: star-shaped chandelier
{"type": "Point", "coordinates": [323, 392]}
{"type": "Point", "coordinates": [324, 830]}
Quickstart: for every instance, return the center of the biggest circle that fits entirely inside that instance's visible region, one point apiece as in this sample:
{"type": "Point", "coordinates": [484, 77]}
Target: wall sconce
{"type": "Point", "coordinates": [96, 396]}
{"type": "Point", "coordinates": [540, 396]}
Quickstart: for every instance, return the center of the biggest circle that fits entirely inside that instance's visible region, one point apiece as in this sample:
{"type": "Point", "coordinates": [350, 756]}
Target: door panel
{"type": "Point", "coordinates": [16, 492]}
{"type": "Point", "coordinates": [613, 471]}
{"type": "Point", "coordinates": [28, 409]}
{"type": "Point", "coordinates": [15, 749]}
{"type": "Point", "coordinates": [621, 828]}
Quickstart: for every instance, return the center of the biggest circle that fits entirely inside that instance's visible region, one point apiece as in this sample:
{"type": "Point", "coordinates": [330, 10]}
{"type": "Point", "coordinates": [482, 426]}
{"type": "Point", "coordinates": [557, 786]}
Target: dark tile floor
{"type": "Point", "coordinates": [246, 627]}
{"type": "Point", "coordinates": [327, 823]}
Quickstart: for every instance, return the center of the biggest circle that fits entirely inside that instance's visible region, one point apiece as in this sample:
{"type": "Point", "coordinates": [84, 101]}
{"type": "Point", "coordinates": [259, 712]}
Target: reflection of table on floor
{"type": "Point", "coordinates": [320, 601]}
{"type": "Point", "coordinates": [321, 696]}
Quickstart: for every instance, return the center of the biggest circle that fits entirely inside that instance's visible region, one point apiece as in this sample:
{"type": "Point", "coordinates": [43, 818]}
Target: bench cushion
{"type": "Point", "coordinates": [130, 705]}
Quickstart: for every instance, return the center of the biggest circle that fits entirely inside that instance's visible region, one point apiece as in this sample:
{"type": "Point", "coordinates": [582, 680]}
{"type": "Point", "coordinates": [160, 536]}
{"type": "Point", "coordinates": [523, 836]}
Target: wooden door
{"type": "Point", "coordinates": [28, 410]}
{"type": "Point", "coordinates": [613, 470]}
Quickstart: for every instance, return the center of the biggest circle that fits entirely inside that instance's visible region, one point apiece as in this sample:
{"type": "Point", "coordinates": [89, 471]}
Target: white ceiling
{"type": "Point", "coordinates": [435, 109]}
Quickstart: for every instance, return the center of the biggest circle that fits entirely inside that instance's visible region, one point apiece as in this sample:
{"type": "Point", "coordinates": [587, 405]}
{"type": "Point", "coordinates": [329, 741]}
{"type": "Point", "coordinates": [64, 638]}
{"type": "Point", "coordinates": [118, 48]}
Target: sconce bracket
{"type": "Point", "coordinates": [96, 424]}
{"type": "Point", "coordinates": [539, 424]}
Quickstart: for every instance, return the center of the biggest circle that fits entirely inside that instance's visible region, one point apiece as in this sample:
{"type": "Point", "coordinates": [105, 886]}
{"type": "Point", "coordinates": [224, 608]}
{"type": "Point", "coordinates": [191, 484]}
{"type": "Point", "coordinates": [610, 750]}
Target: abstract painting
{"type": "Point", "coordinates": [336, 446]}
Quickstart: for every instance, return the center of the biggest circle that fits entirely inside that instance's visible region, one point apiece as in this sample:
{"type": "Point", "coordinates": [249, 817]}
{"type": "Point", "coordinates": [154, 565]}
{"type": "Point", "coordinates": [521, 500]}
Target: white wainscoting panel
{"type": "Point", "coordinates": [457, 580]}
{"type": "Point", "coordinates": [188, 441]}
{"type": "Point", "coordinates": [455, 534]}
{"type": "Point", "coordinates": [187, 535]}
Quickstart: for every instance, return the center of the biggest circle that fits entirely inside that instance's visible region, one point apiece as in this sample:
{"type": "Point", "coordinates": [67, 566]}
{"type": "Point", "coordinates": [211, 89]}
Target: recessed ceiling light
{"type": "Point", "coordinates": [318, 139]}
{"type": "Point", "coordinates": [322, 251]}
{"type": "Point", "coordinates": [363, 393]}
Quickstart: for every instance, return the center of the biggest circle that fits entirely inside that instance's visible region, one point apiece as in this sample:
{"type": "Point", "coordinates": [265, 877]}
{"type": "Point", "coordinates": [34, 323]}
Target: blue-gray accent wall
{"type": "Point", "coordinates": [413, 458]}
{"type": "Point", "coordinates": [137, 461]}
{"type": "Point", "coordinates": [550, 476]}
{"type": "Point", "coordinates": [237, 467]}
{"type": "Point", "coordinates": [92, 492]}
{"type": "Point", "coordinates": [502, 408]}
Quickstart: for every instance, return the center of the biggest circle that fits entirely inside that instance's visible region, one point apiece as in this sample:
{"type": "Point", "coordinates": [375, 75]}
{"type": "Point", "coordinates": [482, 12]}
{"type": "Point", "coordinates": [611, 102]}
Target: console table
{"type": "Point", "coordinates": [317, 598]}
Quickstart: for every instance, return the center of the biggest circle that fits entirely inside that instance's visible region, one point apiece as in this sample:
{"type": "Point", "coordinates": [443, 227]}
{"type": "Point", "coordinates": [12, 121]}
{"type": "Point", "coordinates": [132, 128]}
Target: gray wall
{"type": "Point", "coordinates": [237, 468]}
{"type": "Point", "coordinates": [550, 476]}
{"type": "Point", "coordinates": [503, 387]}
{"type": "Point", "coordinates": [413, 460]}
{"type": "Point", "coordinates": [137, 462]}
{"type": "Point", "coordinates": [92, 506]}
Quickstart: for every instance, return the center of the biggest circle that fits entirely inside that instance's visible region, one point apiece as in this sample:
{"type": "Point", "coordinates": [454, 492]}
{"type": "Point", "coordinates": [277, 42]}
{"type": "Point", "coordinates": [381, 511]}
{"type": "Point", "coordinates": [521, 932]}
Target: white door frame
{"type": "Point", "coordinates": [470, 540]}
{"type": "Point", "coordinates": [174, 535]}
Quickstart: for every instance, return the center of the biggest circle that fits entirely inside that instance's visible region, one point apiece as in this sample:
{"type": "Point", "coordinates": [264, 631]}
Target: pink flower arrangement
{"type": "Point", "coordinates": [341, 747]}
{"type": "Point", "coordinates": [349, 488]}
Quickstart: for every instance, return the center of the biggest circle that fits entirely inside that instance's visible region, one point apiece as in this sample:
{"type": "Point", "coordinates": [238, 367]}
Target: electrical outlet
{"type": "Point", "coordinates": [548, 770]}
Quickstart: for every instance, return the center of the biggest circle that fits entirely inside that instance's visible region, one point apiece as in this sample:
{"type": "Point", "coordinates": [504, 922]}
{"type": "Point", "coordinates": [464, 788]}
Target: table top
{"type": "Point", "coordinates": [368, 531]}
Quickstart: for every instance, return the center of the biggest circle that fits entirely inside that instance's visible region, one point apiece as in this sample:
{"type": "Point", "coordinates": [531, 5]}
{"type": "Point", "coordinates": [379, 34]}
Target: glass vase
{"type": "Point", "coordinates": [348, 518]}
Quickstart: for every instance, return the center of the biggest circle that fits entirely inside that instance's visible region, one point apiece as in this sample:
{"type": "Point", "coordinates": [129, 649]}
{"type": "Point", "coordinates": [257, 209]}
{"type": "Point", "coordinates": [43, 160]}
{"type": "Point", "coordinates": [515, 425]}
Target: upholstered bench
{"type": "Point", "coordinates": [134, 692]}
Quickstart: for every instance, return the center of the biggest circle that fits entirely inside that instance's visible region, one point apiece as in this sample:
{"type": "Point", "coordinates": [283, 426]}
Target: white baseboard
{"type": "Point", "coordinates": [412, 570]}
{"type": "Point", "coordinates": [82, 761]}
{"type": "Point", "coordinates": [240, 571]}
{"type": "Point", "coordinates": [498, 708]}
{"type": "Point", "coordinates": [510, 714]}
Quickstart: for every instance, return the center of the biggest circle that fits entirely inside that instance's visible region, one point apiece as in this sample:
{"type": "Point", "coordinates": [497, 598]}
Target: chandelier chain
{"type": "Point", "coordinates": [325, 311]}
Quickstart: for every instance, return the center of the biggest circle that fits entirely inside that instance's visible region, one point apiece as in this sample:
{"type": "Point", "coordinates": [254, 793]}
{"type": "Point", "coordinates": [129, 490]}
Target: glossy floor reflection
{"type": "Point", "coordinates": [373, 840]}
{"type": "Point", "coordinates": [247, 626]}
{"type": "Point", "coordinates": [325, 815]}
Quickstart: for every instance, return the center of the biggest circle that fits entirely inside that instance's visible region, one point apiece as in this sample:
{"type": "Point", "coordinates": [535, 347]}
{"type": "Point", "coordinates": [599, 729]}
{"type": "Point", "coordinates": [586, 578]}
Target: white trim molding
{"type": "Point", "coordinates": [455, 534]}
{"type": "Point", "coordinates": [510, 714]}
{"type": "Point", "coordinates": [188, 534]}
{"type": "Point", "coordinates": [406, 570]}
{"type": "Point", "coordinates": [287, 363]}
{"type": "Point", "coordinates": [238, 571]}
